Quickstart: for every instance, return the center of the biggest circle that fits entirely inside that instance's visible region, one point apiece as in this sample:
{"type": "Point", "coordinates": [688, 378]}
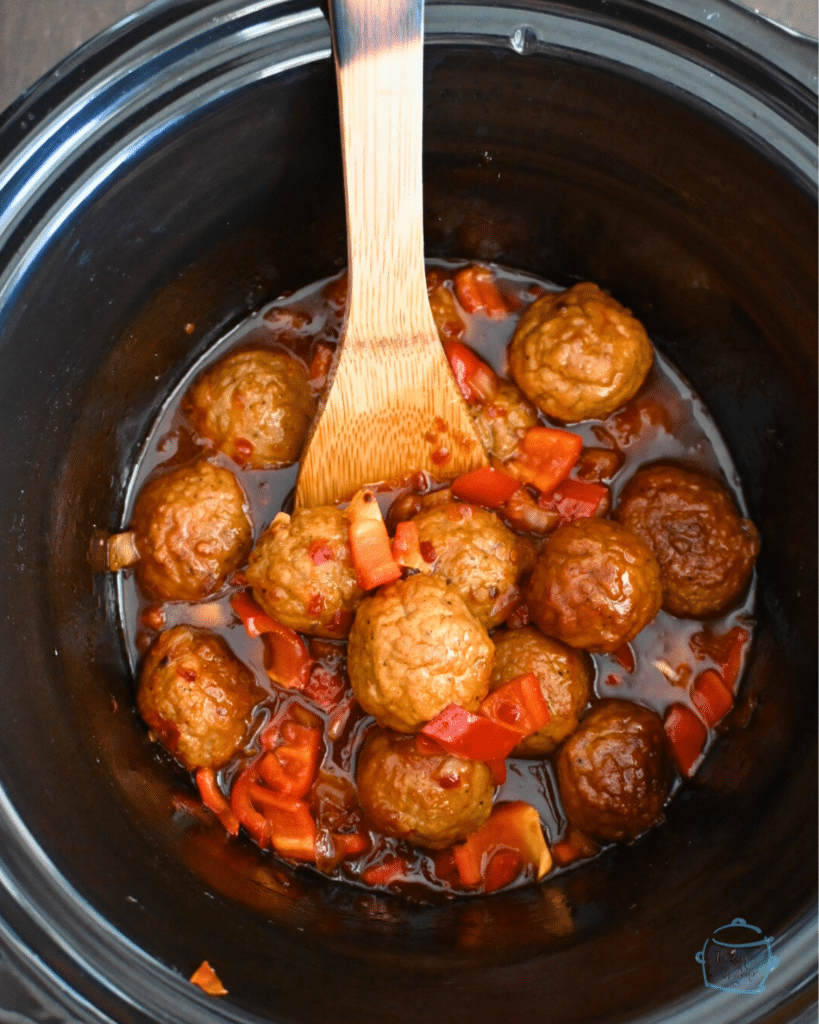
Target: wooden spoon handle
{"type": "Point", "coordinates": [379, 69]}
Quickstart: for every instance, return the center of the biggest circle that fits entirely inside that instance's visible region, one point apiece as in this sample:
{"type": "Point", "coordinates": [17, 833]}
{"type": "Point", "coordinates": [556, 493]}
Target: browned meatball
{"type": "Point", "coordinates": [594, 586]}
{"type": "Point", "coordinates": [255, 406]}
{"type": "Point", "coordinates": [192, 531]}
{"type": "Point", "coordinates": [565, 678]}
{"type": "Point", "coordinates": [705, 549]}
{"type": "Point", "coordinates": [615, 772]}
{"type": "Point", "coordinates": [427, 799]}
{"type": "Point", "coordinates": [579, 354]}
{"type": "Point", "coordinates": [196, 696]}
{"type": "Point", "coordinates": [302, 573]}
{"type": "Point", "coordinates": [414, 649]}
{"type": "Point", "coordinates": [501, 423]}
{"type": "Point", "coordinates": [477, 555]}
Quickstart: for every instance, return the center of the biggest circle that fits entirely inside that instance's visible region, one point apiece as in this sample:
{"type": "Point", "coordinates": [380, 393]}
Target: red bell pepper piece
{"type": "Point", "coordinates": [624, 655]}
{"type": "Point", "coordinates": [687, 735]}
{"type": "Point", "coordinates": [406, 547]}
{"type": "Point", "coordinates": [476, 380]}
{"type": "Point", "coordinates": [391, 869]}
{"type": "Point", "coordinates": [512, 828]}
{"type": "Point", "coordinates": [461, 733]}
{"type": "Point", "coordinates": [573, 846]}
{"type": "Point", "coordinates": [518, 704]}
{"type": "Point", "coordinates": [325, 688]}
{"type": "Point", "coordinates": [546, 457]}
{"type": "Point", "coordinates": [370, 542]}
{"type": "Point", "coordinates": [711, 697]}
{"type": "Point", "coordinates": [214, 800]}
{"type": "Point", "coordinates": [735, 639]}
{"type": "Point", "coordinates": [287, 660]}
{"type": "Point", "coordinates": [292, 753]}
{"type": "Point", "coordinates": [575, 499]}
{"type": "Point", "coordinates": [349, 844]}
{"type": "Point", "coordinates": [272, 819]}
{"type": "Point", "coordinates": [476, 290]}
{"type": "Point", "coordinates": [207, 979]}
{"type": "Point", "coordinates": [486, 486]}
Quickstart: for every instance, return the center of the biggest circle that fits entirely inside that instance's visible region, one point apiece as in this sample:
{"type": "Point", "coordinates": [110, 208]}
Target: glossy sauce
{"type": "Point", "coordinates": [664, 421]}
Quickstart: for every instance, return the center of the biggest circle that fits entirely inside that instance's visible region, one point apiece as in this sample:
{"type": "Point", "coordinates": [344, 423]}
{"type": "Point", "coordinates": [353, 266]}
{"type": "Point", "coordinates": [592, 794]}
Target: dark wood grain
{"type": "Point", "coordinates": [37, 34]}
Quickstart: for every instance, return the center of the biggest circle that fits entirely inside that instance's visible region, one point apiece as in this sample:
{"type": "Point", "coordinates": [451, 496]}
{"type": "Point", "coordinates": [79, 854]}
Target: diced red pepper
{"type": "Point", "coordinates": [624, 655]}
{"type": "Point", "coordinates": [687, 735]}
{"type": "Point", "coordinates": [512, 828]}
{"type": "Point", "coordinates": [406, 547]}
{"type": "Point", "coordinates": [575, 499]}
{"type": "Point", "coordinates": [207, 979]}
{"type": "Point", "coordinates": [391, 869]}
{"type": "Point", "coordinates": [497, 769]}
{"type": "Point", "coordinates": [461, 733]}
{"type": "Point", "coordinates": [733, 659]}
{"type": "Point", "coordinates": [486, 486]}
{"type": "Point", "coordinates": [325, 688]}
{"type": "Point", "coordinates": [476, 380]}
{"type": "Point", "coordinates": [370, 542]}
{"type": "Point", "coordinates": [292, 753]}
{"type": "Point", "coordinates": [477, 292]}
{"type": "Point", "coordinates": [518, 704]}
{"type": "Point", "coordinates": [349, 845]}
{"type": "Point", "coordinates": [574, 846]}
{"type": "Point", "coordinates": [214, 800]}
{"type": "Point", "coordinates": [272, 819]}
{"type": "Point", "coordinates": [546, 457]}
{"type": "Point", "coordinates": [287, 660]}
{"type": "Point", "coordinates": [711, 697]}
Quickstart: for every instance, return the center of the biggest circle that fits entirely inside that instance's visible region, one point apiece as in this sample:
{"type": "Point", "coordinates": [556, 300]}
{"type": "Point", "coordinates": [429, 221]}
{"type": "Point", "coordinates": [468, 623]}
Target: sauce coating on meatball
{"type": "Point", "coordinates": [414, 649]}
{"type": "Point", "coordinates": [595, 585]}
{"type": "Point", "coordinates": [706, 550]}
{"type": "Point", "coordinates": [192, 532]}
{"type": "Point", "coordinates": [430, 799]}
{"type": "Point", "coordinates": [615, 771]}
{"type": "Point", "coordinates": [579, 354]}
{"type": "Point", "coordinates": [196, 696]}
{"type": "Point", "coordinates": [255, 406]}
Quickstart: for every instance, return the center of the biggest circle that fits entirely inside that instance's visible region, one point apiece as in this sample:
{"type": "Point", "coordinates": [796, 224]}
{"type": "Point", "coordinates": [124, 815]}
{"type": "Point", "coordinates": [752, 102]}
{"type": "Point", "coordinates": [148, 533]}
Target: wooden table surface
{"type": "Point", "coordinates": [36, 34]}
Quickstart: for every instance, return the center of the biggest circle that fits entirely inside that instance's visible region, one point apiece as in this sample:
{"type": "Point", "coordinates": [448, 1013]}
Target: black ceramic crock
{"type": "Point", "coordinates": [183, 169]}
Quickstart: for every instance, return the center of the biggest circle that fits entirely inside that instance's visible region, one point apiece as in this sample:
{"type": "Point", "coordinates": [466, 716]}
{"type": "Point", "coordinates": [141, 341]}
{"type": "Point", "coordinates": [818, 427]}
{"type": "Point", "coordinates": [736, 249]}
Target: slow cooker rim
{"type": "Point", "coordinates": [41, 924]}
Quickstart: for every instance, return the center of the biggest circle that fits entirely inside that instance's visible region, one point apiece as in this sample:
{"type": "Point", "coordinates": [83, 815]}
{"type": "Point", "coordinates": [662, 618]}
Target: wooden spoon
{"type": "Point", "coordinates": [391, 404]}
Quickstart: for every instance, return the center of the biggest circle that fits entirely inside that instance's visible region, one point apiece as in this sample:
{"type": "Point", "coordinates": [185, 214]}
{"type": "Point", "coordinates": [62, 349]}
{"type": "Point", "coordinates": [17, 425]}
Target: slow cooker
{"type": "Point", "coordinates": [184, 168]}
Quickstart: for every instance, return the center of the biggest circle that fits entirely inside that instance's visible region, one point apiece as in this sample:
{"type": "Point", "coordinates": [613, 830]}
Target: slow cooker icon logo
{"type": "Point", "coordinates": [736, 958]}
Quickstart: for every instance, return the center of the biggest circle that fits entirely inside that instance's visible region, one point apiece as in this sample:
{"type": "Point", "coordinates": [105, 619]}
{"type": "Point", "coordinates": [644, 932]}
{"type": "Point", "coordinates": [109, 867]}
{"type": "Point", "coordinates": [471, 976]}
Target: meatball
{"type": "Point", "coordinates": [255, 406]}
{"type": "Point", "coordinates": [192, 531]}
{"type": "Point", "coordinates": [428, 799]}
{"type": "Point", "coordinates": [579, 354]}
{"type": "Point", "coordinates": [594, 585]}
{"type": "Point", "coordinates": [705, 549]}
{"type": "Point", "coordinates": [501, 423]}
{"type": "Point", "coordinates": [615, 772]}
{"type": "Point", "coordinates": [302, 574]}
{"type": "Point", "coordinates": [197, 696]}
{"type": "Point", "coordinates": [565, 678]}
{"type": "Point", "coordinates": [414, 649]}
{"type": "Point", "coordinates": [477, 555]}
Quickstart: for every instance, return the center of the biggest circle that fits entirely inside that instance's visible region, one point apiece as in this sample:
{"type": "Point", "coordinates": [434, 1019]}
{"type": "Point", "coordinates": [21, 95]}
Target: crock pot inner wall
{"type": "Point", "coordinates": [548, 162]}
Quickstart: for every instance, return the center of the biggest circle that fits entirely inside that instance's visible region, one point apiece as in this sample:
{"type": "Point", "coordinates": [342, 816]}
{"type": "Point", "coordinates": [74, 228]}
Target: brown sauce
{"type": "Point", "coordinates": [664, 421]}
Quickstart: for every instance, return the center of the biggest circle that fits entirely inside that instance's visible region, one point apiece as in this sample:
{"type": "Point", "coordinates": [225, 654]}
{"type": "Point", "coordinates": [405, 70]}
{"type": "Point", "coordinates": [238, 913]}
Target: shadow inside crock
{"type": "Point", "coordinates": [566, 169]}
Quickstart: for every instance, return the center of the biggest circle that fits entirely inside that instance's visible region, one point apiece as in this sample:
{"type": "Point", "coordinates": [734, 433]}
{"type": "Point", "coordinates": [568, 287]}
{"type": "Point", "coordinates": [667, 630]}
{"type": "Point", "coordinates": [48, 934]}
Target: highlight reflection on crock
{"type": "Point", "coordinates": [738, 960]}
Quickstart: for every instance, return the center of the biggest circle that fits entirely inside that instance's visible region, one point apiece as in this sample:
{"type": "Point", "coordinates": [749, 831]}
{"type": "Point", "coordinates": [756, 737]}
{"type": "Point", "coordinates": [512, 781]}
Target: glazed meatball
{"type": "Point", "coordinates": [614, 773]}
{"type": "Point", "coordinates": [302, 574]}
{"type": "Point", "coordinates": [501, 423]}
{"type": "Point", "coordinates": [414, 649]}
{"type": "Point", "coordinates": [196, 696]}
{"type": "Point", "coordinates": [705, 549]}
{"type": "Point", "coordinates": [565, 678]}
{"type": "Point", "coordinates": [427, 799]}
{"type": "Point", "coordinates": [579, 354]}
{"type": "Point", "coordinates": [477, 555]}
{"type": "Point", "coordinates": [594, 586]}
{"type": "Point", "coordinates": [255, 406]}
{"type": "Point", "coordinates": [192, 531]}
